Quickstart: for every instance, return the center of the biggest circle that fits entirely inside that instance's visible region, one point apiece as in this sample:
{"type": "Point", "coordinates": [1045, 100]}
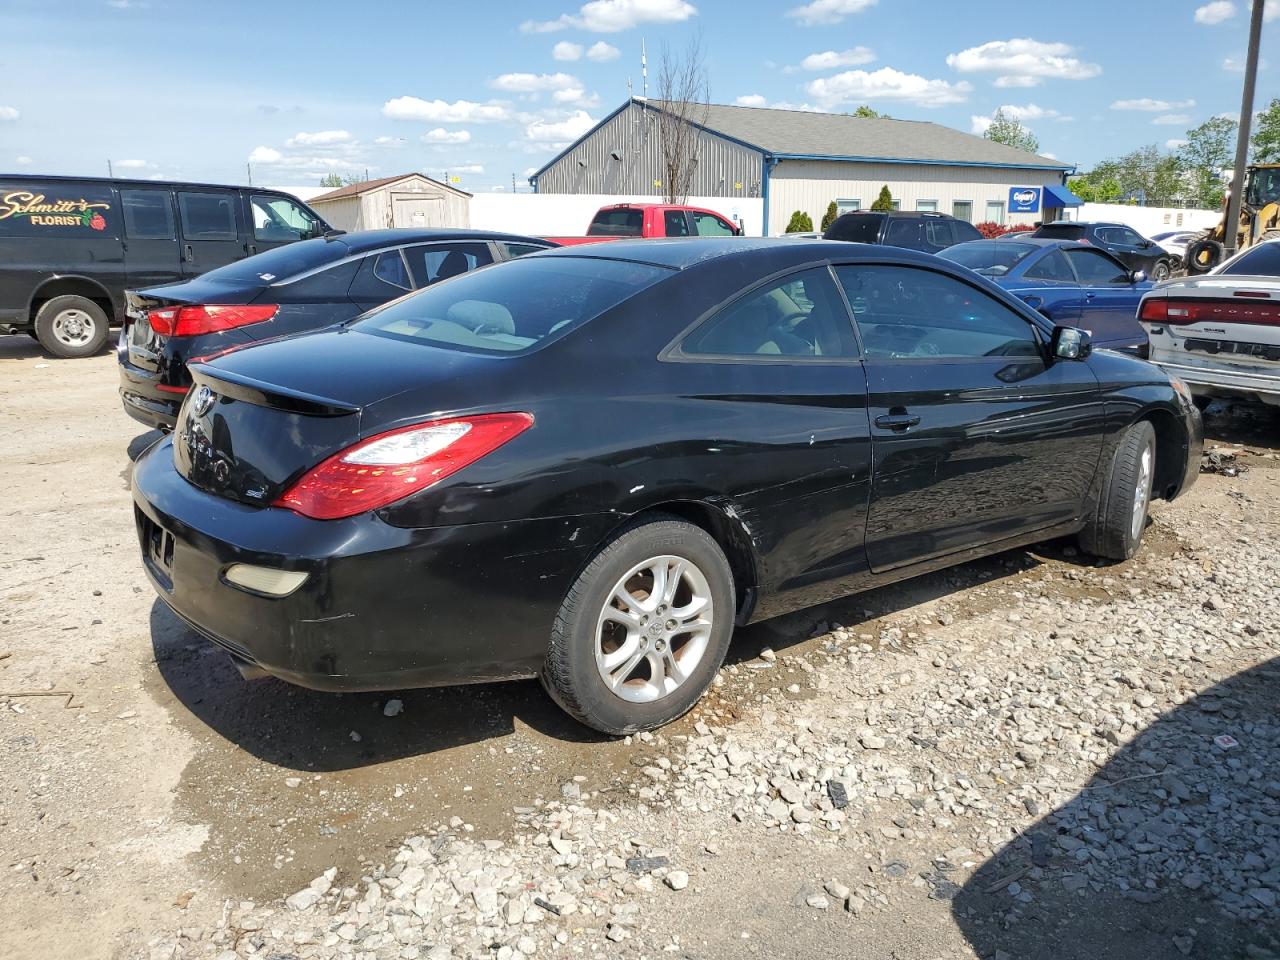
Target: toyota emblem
{"type": "Point", "coordinates": [202, 402]}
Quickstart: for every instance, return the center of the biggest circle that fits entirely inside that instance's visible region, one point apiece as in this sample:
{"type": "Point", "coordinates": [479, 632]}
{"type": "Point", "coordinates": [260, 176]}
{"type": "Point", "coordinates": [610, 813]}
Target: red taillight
{"type": "Point", "coordinates": [390, 466]}
{"type": "Point", "coordinates": [1181, 312]}
{"type": "Point", "coordinates": [209, 318]}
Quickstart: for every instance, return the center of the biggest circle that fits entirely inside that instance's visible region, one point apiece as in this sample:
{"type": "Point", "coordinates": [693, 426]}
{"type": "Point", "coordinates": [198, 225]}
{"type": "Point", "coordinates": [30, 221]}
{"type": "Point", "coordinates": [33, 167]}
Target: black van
{"type": "Point", "coordinates": [70, 246]}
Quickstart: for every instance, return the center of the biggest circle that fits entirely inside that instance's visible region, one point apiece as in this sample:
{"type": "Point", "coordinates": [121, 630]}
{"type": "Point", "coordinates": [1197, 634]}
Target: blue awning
{"type": "Point", "coordinates": [1060, 197]}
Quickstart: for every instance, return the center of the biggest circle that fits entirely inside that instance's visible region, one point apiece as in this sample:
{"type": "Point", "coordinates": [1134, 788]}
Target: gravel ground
{"type": "Point", "coordinates": [1026, 757]}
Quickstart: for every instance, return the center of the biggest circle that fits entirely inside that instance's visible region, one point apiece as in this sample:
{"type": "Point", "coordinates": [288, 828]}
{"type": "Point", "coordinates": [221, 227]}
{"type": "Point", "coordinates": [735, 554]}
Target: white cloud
{"type": "Point", "coordinates": [319, 138]}
{"type": "Point", "coordinates": [534, 82]}
{"type": "Point", "coordinates": [614, 16]}
{"type": "Point", "coordinates": [978, 124]}
{"type": "Point", "coordinates": [860, 86]}
{"type": "Point", "coordinates": [1051, 156]}
{"type": "Point", "coordinates": [559, 133]}
{"type": "Point", "coordinates": [1237, 64]}
{"type": "Point", "coordinates": [1152, 106]}
{"type": "Point", "coordinates": [576, 97]}
{"type": "Point", "coordinates": [1174, 144]}
{"type": "Point", "coordinates": [132, 164]}
{"type": "Point", "coordinates": [1215, 12]}
{"type": "Point", "coordinates": [1031, 111]}
{"type": "Point", "coordinates": [441, 111]}
{"type": "Point", "coordinates": [388, 141]}
{"type": "Point", "coordinates": [23, 161]}
{"type": "Point", "coordinates": [832, 59]}
{"type": "Point", "coordinates": [1172, 120]}
{"type": "Point", "coordinates": [751, 100]}
{"type": "Point", "coordinates": [602, 52]}
{"type": "Point", "coordinates": [498, 189]}
{"type": "Point", "coordinates": [9, 113]}
{"type": "Point", "coordinates": [828, 11]}
{"type": "Point", "coordinates": [467, 168]}
{"type": "Point", "coordinates": [1023, 62]}
{"type": "Point", "coordinates": [441, 135]}
{"type": "Point", "coordinates": [1271, 11]}
{"type": "Point", "coordinates": [564, 50]}
{"type": "Point", "coordinates": [265, 155]}
{"type": "Point", "coordinates": [530, 171]}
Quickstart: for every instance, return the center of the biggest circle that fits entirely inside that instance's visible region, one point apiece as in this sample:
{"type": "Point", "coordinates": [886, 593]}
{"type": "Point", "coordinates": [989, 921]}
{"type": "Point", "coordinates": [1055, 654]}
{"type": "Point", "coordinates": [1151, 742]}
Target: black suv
{"type": "Point", "coordinates": [915, 230]}
{"type": "Point", "coordinates": [1124, 243]}
{"type": "Point", "coordinates": [70, 246]}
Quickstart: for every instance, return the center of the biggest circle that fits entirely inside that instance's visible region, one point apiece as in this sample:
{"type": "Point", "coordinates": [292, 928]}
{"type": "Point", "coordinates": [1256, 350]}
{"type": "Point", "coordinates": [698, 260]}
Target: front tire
{"type": "Point", "coordinates": [1161, 271]}
{"type": "Point", "coordinates": [643, 629]}
{"type": "Point", "coordinates": [1114, 531]}
{"type": "Point", "coordinates": [71, 327]}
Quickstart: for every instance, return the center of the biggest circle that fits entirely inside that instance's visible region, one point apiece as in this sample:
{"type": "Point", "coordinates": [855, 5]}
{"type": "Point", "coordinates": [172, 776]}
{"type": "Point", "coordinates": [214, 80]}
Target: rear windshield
{"type": "Point", "coordinates": [987, 257]}
{"type": "Point", "coordinates": [511, 307]}
{"type": "Point", "coordinates": [624, 222]}
{"type": "Point", "coordinates": [1064, 231]}
{"type": "Point", "coordinates": [1262, 261]}
{"type": "Point", "coordinates": [282, 262]}
{"type": "Point", "coordinates": [856, 227]}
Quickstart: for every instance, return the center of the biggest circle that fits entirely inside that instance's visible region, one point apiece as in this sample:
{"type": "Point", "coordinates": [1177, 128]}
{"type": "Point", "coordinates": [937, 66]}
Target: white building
{"type": "Point", "coordinates": [800, 160]}
{"type": "Point", "coordinates": [407, 200]}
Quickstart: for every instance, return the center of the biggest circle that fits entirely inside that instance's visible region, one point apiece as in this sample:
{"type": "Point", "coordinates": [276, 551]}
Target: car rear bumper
{"type": "Point", "coordinates": [382, 607]}
{"type": "Point", "coordinates": [1208, 377]}
{"type": "Point", "coordinates": [142, 393]}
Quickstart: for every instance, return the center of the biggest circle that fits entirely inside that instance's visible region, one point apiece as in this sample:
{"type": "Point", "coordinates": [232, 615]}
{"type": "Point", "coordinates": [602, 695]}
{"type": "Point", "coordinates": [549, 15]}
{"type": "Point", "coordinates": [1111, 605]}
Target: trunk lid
{"type": "Point", "coordinates": [256, 419]}
{"type": "Point", "coordinates": [144, 344]}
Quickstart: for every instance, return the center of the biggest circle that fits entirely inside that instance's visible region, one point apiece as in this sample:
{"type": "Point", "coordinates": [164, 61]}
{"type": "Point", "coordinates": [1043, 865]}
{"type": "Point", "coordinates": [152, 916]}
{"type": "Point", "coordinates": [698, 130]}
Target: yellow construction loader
{"type": "Point", "coordinates": [1259, 220]}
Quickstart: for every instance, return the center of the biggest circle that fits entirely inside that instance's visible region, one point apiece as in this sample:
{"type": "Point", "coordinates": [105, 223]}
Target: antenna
{"type": "Point", "coordinates": [644, 70]}
{"type": "Point", "coordinates": [249, 170]}
{"type": "Point", "coordinates": [110, 173]}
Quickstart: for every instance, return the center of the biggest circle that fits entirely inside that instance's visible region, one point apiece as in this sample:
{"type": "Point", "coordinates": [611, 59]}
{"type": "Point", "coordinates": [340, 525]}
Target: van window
{"type": "Point", "coordinates": [279, 220]}
{"type": "Point", "coordinates": [57, 210]}
{"type": "Point", "coordinates": [148, 214]}
{"type": "Point", "coordinates": [208, 216]}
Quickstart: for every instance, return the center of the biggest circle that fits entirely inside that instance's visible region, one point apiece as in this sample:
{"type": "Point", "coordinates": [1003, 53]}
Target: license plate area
{"type": "Point", "coordinates": [157, 548]}
{"type": "Point", "coordinates": [1261, 351]}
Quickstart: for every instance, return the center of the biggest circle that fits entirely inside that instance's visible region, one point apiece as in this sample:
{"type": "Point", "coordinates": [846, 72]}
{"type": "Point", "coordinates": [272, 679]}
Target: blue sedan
{"type": "Point", "coordinates": [1072, 283]}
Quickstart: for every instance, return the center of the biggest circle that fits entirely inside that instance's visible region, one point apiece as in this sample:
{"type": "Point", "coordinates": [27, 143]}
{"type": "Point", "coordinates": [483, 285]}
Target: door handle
{"type": "Point", "coordinates": [1089, 295]}
{"type": "Point", "coordinates": [897, 421]}
{"type": "Point", "coordinates": [188, 256]}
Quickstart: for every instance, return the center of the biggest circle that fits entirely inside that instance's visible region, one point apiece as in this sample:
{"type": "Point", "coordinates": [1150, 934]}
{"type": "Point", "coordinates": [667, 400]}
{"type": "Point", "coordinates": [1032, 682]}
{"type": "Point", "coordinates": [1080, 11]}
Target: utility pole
{"type": "Point", "coordinates": [513, 181]}
{"type": "Point", "coordinates": [110, 172]}
{"type": "Point", "coordinates": [248, 168]}
{"type": "Point", "coordinates": [1242, 137]}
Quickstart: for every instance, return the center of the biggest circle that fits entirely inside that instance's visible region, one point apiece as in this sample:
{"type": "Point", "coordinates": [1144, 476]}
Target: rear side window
{"type": "Point", "coordinates": [58, 210]}
{"type": "Point", "coordinates": [513, 250]}
{"type": "Point", "coordinates": [855, 227]}
{"type": "Point", "coordinates": [908, 313]}
{"type": "Point", "coordinates": [389, 268]}
{"type": "Point", "coordinates": [906, 233]}
{"type": "Point", "coordinates": [938, 232]}
{"type": "Point", "coordinates": [676, 223]}
{"type": "Point", "coordinates": [1063, 231]}
{"type": "Point", "coordinates": [207, 216]}
{"type": "Point", "coordinates": [148, 214]}
{"type": "Point", "coordinates": [1054, 266]}
{"type": "Point", "coordinates": [800, 316]}
{"type": "Point", "coordinates": [987, 257]}
{"type": "Point", "coordinates": [625, 222]}
{"type": "Point", "coordinates": [1094, 266]}
{"type": "Point", "coordinates": [964, 230]}
{"type": "Point", "coordinates": [1262, 261]}
{"type": "Point", "coordinates": [440, 261]}
{"type": "Point", "coordinates": [514, 308]}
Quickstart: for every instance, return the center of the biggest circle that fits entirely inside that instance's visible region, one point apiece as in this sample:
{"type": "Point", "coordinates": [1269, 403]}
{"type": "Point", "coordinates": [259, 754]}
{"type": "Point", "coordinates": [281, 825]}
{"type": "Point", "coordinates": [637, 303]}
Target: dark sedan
{"type": "Point", "coordinates": [1072, 283]}
{"type": "Point", "coordinates": [284, 291]}
{"type": "Point", "coordinates": [1121, 241]}
{"type": "Point", "coordinates": [588, 465]}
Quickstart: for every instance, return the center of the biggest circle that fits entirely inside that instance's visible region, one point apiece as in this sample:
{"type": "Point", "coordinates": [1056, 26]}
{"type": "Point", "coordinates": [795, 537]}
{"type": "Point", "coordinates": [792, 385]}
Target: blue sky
{"type": "Point", "coordinates": [484, 90]}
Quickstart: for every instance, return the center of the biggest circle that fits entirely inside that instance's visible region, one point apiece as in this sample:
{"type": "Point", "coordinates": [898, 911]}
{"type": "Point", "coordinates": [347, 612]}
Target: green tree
{"type": "Point", "coordinates": [1011, 132]}
{"type": "Point", "coordinates": [800, 222]}
{"type": "Point", "coordinates": [1266, 134]}
{"type": "Point", "coordinates": [1209, 151]}
{"type": "Point", "coordinates": [884, 201]}
{"type": "Point", "coordinates": [868, 114]}
{"type": "Point", "coordinates": [332, 180]}
{"type": "Point", "coordinates": [1093, 188]}
{"type": "Point", "coordinates": [829, 217]}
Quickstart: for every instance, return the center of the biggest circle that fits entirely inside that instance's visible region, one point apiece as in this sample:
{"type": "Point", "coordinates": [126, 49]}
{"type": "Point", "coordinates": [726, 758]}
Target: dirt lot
{"type": "Point", "coordinates": [1026, 744]}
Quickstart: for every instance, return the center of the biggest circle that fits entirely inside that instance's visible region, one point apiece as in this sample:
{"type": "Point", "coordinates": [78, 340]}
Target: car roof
{"type": "Point", "coordinates": [899, 214]}
{"type": "Point", "coordinates": [360, 241]}
{"type": "Point", "coordinates": [130, 182]}
{"type": "Point", "coordinates": [684, 252]}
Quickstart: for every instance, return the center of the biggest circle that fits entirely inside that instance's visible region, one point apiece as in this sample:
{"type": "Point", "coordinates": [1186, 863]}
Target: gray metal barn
{"type": "Point", "coordinates": [801, 160]}
{"type": "Point", "coordinates": [406, 200]}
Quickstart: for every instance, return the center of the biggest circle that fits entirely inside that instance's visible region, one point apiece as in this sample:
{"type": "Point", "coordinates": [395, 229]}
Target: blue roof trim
{"type": "Point", "coordinates": [930, 163]}
{"type": "Point", "coordinates": [1064, 197]}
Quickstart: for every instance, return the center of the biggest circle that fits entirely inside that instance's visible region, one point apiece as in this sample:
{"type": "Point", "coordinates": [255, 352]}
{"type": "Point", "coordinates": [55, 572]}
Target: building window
{"type": "Point", "coordinates": [995, 211]}
{"type": "Point", "coordinates": [897, 204]}
{"type": "Point", "coordinates": [927, 206]}
{"type": "Point", "coordinates": [848, 206]}
{"type": "Point", "coordinates": [962, 210]}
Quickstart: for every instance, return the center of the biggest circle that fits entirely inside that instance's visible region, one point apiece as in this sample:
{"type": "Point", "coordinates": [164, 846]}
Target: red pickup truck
{"type": "Point", "coordinates": [624, 221]}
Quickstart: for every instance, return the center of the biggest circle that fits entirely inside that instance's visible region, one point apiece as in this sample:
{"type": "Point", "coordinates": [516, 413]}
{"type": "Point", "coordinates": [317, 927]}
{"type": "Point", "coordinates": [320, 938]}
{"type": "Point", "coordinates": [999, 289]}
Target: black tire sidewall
{"type": "Point", "coordinates": [1123, 490]}
{"type": "Point", "coordinates": [572, 676]}
{"type": "Point", "coordinates": [1161, 265]}
{"type": "Point", "coordinates": [44, 326]}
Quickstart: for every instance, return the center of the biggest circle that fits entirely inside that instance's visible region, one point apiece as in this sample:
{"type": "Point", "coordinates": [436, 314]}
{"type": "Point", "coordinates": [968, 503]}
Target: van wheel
{"type": "Point", "coordinates": [643, 629]}
{"type": "Point", "coordinates": [71, 326]}
{"type": "Point", "coordinates": [1114, 531]}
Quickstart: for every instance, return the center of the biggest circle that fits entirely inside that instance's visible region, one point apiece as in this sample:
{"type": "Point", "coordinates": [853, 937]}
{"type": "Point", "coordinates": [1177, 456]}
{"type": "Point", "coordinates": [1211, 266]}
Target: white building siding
{"type": "Point", "coordinates": [341, 214]}
{"type": "Point", "coordinates": [809, 185]}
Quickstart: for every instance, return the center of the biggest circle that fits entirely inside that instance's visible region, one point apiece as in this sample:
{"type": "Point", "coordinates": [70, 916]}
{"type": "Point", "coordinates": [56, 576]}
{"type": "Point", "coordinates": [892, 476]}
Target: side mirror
{"type": "Point", "coordinates": [1138, 276]}
{"type": "Point", "coordinates": [1070, 343]}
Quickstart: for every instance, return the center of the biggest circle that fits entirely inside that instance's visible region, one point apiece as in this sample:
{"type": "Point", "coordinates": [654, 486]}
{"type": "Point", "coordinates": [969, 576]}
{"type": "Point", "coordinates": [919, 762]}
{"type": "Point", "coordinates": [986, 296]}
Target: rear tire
{"type": "Point", "coordinates": [71, 327]}
{"type": "Point", "coordinates": [1161, 271]}
{"type": "Point", "coordinates": [1114, 531]}
{"type": "Point", "coordinates": [1203, 255]}
{"type": "Point", "coordinates": [643, 629]}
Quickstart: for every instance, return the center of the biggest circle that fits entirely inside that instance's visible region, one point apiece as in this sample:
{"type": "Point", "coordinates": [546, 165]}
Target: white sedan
{"type": "Point", "coordinates": [1176, 241]}
{"type": "Point", "coordinates": [1220, 333]}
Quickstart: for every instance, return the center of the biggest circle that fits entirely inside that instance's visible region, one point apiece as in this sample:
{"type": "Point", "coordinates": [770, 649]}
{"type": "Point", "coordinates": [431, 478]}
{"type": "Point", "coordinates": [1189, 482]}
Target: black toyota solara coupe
{"type": "Point", "coordinates": [588, 465]}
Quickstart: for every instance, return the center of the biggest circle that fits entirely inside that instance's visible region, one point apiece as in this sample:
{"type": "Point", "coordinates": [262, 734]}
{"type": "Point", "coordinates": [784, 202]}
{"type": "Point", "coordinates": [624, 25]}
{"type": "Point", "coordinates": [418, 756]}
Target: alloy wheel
{"type": "Point", "coordinates": [1142, 493]}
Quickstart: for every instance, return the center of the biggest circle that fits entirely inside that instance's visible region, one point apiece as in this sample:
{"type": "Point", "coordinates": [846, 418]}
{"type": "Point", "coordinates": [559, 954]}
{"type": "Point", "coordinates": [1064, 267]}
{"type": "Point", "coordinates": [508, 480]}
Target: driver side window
{"type": "Point", "coordinates": [280, 220]}
{"type": "Point", "coordinates": [799, 316]}
{"type": "Point", "coordinates": [909, 313]}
